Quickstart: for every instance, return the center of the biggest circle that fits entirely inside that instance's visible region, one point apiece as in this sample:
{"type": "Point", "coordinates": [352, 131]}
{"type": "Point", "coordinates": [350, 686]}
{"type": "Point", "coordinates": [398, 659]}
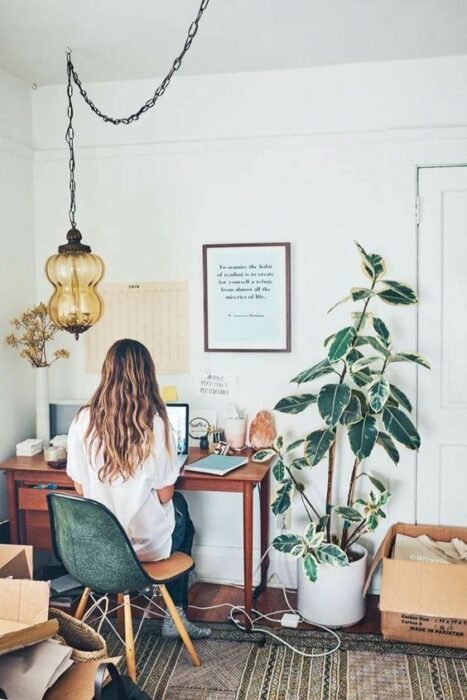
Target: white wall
{"type": "Point", "coordinates": [317, 157]}
{"type": "Point", "coordinates": [17, 263]}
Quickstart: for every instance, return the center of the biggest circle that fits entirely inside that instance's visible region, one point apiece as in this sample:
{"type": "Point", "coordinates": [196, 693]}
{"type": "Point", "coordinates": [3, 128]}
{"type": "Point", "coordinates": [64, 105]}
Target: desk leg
{"type": "Point", "coordinates": [248, 549]}
{"type": "Point", "coordinates": [12, 507]}
{"type": "Point", "coordinates": [264, 507]}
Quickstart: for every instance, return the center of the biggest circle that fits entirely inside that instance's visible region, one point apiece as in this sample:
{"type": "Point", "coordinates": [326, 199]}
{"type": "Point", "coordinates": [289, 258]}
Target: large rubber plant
{"type": "Point", "coordinates": [352, 391]}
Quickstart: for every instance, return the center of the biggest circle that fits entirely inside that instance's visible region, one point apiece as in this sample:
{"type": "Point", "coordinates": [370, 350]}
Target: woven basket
{"type": "Point", "coordinates": [87, 644]}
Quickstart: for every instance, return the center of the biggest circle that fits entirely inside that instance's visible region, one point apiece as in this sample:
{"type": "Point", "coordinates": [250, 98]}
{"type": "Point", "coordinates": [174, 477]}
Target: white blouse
{"type": "Point", "coordinates": [148, 523]}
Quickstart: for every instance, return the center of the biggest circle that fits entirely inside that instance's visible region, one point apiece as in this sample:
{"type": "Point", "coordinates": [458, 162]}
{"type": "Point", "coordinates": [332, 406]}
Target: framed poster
{"type": "Point", "coordinates": [247, 297]}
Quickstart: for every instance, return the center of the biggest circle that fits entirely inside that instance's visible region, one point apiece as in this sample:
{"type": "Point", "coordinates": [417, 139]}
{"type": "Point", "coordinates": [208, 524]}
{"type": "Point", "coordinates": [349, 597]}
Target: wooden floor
{"type": "Point", "coordinates": [207, 594]}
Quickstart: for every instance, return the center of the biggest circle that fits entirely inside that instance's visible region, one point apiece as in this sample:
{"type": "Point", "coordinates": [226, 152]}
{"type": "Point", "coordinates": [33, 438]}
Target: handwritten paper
{"type": "Point", "coordinates": [155, 313]}
{"type": "Point", "coordinates": [215, 384]}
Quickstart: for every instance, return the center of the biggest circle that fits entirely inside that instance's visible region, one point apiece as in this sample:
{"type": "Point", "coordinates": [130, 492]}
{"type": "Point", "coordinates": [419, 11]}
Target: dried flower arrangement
{"type": "Point", "coordinates": [35, 330]}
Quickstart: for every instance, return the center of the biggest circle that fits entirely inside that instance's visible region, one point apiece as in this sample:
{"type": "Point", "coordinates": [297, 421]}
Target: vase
{"type": "Point", "coordinates": [336, 598]}
{"type": "Point", "coordinates": [42, 405]}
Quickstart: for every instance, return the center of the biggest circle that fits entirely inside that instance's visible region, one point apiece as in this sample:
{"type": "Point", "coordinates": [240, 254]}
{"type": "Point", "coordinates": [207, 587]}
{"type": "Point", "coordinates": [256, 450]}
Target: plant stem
{"type": "Point", "coordinates": [332, 451]}
{"type": "Point", "coordinates": [353, 479]}
{"type": "Point", "coordinates": [303, 495]}
{"type": "Point", "coordinates": [356, 534]}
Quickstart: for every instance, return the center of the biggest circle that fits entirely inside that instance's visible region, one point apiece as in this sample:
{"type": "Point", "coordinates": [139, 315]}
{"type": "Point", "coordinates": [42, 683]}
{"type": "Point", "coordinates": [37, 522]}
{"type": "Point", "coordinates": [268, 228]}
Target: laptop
{"type": "Point", "coordinates": [178, 414]}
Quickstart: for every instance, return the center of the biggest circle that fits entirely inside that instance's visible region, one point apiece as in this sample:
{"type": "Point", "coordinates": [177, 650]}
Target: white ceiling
{"type": "Point", "coordinates": [124, 39]}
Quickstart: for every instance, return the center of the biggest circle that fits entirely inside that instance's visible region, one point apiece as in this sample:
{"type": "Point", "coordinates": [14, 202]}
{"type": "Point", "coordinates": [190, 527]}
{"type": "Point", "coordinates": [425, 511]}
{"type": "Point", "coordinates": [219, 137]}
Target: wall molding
{"type": "Point", "coordinates": [16, 148]}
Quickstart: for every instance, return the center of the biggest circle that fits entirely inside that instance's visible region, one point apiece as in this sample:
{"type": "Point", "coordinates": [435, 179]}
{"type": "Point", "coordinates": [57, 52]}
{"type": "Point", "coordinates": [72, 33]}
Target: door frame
{"type": "Point", "coordinates": [418, 209]}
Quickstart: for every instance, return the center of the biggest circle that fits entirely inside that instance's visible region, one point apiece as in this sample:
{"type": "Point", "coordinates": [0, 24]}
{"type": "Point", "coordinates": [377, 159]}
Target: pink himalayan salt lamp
{"type": "Point", "coordinates": [262, 431]}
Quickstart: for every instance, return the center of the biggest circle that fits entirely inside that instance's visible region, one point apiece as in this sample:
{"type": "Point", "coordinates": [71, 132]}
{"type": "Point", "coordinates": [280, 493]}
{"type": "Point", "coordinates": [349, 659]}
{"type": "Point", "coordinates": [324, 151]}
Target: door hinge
{"type": "Point", "coordinates": [417, 210]}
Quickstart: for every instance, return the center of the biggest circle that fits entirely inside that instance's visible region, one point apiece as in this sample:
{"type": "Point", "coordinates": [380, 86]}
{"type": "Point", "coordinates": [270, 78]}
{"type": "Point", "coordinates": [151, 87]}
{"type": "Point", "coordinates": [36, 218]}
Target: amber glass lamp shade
{"type": "Point", "coordinates": [75, 273]}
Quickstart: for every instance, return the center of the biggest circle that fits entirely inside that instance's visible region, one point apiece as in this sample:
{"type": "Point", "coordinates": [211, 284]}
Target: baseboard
{"type": "Point", "coordinates": [224, 565]}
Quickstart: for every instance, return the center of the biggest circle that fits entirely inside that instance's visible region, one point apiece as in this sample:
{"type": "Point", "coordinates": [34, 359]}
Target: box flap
{"type": "Point", "coordinates": [384, 550]}
{"type": "Point", "coordinates": [24, 635]}
{"type": "Point", "coordinates": [16, 561]}
{"type": "Point", "coordinates": [444, 533]}
{"type": "Point", "coordinates": [25, 601]}
{"type": "Point", "coordinates": [421, 588]}
{"type": "Point", "coordinates": [78, 681]}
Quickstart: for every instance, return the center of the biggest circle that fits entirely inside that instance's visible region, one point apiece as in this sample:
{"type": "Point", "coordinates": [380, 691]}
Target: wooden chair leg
{"type": "Point", "coordinates": [120, 615]}
{"type": "Point", "coordinates": [129, 639]}
{"type": "Point", "coordinates": [82, 605]}
{"type": "Point", "coordinates": [180, 626]}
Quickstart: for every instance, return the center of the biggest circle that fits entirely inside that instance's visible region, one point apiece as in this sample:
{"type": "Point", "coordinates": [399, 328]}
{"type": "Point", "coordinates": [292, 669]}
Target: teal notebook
{"type": "Point", "coordinates": [216, 464]}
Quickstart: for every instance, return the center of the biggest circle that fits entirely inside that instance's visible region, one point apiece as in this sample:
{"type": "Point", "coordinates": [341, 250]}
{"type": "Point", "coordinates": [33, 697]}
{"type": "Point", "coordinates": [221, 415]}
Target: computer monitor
{"type": "Point", "coordinates": [178, 414]}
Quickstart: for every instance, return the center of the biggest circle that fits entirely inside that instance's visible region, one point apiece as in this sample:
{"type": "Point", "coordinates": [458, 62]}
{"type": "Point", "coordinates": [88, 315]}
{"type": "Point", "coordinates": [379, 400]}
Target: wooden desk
{"type": "Point", "coordinates": [29, 520]}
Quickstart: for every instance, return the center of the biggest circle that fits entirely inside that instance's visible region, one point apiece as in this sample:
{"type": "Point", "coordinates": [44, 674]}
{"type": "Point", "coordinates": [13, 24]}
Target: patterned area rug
{"type": "Point", "coordinates": [238, 666]}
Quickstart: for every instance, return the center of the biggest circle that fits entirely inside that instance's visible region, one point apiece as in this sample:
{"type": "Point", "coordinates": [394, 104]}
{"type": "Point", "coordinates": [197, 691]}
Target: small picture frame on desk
{"type": "Point", "coordinates": [247, 297]}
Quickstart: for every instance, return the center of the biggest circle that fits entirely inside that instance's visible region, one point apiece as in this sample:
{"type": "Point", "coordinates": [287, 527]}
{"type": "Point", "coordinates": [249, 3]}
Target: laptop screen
{"type": "Point", "coordinates": [178, 418]}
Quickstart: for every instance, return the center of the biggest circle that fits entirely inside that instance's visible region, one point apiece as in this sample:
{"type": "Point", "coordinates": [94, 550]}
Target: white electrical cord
{"type": "Point", "coordinates": [259, 616]}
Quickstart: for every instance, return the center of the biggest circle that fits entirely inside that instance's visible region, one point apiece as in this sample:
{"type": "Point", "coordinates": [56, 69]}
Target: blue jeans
{"type": "Point", "coordinates": [182, 541]}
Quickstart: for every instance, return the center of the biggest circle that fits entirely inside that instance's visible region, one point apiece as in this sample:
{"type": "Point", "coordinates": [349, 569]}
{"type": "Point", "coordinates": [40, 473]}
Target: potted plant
{"type": "Point", "coordinates": [357, 402]}
{"type": "Point", "coordinates": [33, 331]}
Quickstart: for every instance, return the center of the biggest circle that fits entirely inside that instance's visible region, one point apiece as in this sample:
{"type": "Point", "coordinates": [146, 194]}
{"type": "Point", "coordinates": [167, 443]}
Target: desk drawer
{"type": "Point", "coordinates": [36, 499]}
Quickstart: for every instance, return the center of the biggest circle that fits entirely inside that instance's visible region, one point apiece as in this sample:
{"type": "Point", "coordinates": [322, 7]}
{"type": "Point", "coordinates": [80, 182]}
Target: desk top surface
{"type": "Point", "coordinates": [249, 472]}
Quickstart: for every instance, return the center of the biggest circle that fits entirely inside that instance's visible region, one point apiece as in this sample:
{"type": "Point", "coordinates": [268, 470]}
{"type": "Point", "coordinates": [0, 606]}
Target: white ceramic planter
{"type": "Point", "coordinates": [42, 404]}
{"type": "Point", "coordinates": [336, 598]}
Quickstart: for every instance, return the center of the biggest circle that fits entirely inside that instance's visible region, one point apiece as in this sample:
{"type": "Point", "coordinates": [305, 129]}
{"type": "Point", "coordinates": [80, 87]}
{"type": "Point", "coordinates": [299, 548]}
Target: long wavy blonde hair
{"type": "Point", "coordinates": [122, 411]}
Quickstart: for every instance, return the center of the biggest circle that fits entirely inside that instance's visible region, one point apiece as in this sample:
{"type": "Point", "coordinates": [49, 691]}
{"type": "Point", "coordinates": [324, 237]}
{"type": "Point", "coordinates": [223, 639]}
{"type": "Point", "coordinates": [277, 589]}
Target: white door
{"type": "Point", "coordinates": [442, 393]}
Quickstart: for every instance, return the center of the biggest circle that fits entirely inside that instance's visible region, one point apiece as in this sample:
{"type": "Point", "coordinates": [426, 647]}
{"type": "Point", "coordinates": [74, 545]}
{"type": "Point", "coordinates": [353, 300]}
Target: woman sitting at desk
{"type": "Point", "coordinates": [121, 453]}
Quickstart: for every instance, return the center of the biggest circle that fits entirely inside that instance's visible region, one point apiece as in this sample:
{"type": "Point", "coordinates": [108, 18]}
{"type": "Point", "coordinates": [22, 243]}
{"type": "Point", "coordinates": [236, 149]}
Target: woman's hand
{"type": "Point", "coordinates": [165, 494]}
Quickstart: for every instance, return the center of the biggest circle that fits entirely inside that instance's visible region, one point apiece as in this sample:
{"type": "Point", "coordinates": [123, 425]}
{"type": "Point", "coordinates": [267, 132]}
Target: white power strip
{"type": "Point", "coordinates": [290, 620]}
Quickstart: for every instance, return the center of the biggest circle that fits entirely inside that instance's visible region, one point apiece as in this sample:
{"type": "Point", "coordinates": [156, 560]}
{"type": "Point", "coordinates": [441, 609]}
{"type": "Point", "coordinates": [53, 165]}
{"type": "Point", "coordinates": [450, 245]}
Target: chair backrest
{"type": "Point", "coordinates": [92, 545]}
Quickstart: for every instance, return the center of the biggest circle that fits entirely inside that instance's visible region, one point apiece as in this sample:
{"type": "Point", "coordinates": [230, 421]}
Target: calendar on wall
{"type": "Point", "coordinates": [155, 313]}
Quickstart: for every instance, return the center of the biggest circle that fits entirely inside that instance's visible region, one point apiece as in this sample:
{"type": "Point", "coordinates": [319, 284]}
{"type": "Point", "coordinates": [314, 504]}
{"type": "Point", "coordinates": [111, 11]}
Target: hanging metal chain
{"type": "Point", "coordinates": [192, 31]}
{"type": "Point", "coordinates": [69, 136]}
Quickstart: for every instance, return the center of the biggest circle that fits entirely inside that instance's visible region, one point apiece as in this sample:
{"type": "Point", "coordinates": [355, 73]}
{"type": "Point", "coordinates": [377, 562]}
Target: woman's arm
{"type": "Point", "coordinates": [165, 494]}
{"type": "Point", "coordinates": [78, 488]}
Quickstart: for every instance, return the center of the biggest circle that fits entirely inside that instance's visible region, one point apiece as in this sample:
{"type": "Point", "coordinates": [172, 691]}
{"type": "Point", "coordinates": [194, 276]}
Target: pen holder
{"type": "Point", "coordinates": [235, 432]}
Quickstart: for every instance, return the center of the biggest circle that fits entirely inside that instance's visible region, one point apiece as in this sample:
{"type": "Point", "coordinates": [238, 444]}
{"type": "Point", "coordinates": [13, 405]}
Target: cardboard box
{"type": "Point", "coordinates": [422, 602]}
{"type": "Point", "coordinates": [78, 681]}
{"type": "Point", "coordinates": [24, 611]}
{"type": "Point", "coordinates": [16, 561]}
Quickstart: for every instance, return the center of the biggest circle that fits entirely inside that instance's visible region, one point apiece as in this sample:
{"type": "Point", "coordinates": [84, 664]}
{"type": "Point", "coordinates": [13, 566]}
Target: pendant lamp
{"type": "Point", "coordinates": [75, 271]}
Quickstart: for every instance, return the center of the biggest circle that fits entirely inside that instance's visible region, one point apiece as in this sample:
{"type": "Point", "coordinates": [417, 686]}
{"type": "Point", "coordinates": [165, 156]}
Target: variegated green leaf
{"type": "Point", "coordinates": [361, 377]}
{"type": "Point", "coordinates": [373, 265]}
{"type": "Point", "coordinates": [400, 427]}
{"type": "Point", "coordinates": [378, 393]}
{"type": "Point", "coordinates": [318, 370]}
{"type": "Point", "coordinates": [359, 293]}
{"type": "Point", "coordinates": [313, 537]}
{"type": "Point", "coordinates": [363, 362]}
{"type": "Point", "coordinates": [283, 497]}
{"type": "Point", "coordinates": [332, 401]}
{"type": "Point", "coordinates": [400, 397]}
{"type": "Point", "coordinates": [410, 357]}
{"type": "Point", "coordinates": [263, 455]}
{"type": "Point", "coordinates": [287, 543]}
{"type": "Point", "coordinates": [300, 463]}
{"type": "Point", "coordinates": [362, 436]}
{"type": "Point", "coordinates": [295, 403]}
{"type": "Point", "coordinates": [278, 443]}
{"type": "Point", "coordinates": [352, 412]}
{"type": "Point", "coordinates": [380, 486]}
{"type": "Point", "coordinates": [310, 566]}
{"type": "Point", "coordinates": [317, 444]}
{"type": "Point", "coordinates": [333, 555]}
{"type": "Point", "coordinates": [385, 441]}
{"type": "Point", "coordinates": [278, 470]}
{"type": "Point", "coordinates": [382, 331]}
{"type": "Point", "coordinates": [338, 303]}
{"type": "Point", "coordinates": [360, 319]}
{"type": "Point", "coordinates": [397, 294]}
{"type": "Point", "coordinates": [347, 513]}
{"type": "Point", "coordinates": [293, 445]}
{"type": "Point", "coordinates": [341, 344]}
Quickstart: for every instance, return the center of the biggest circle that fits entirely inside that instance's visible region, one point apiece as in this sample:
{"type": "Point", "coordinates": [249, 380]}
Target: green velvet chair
{"type": "Point", "coordinates": [93, 547]}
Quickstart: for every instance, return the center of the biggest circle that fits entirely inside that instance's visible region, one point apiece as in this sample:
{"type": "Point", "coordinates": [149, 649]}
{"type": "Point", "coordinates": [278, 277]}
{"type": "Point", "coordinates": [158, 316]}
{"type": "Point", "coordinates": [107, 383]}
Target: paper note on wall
{"type": "Point", "coordinates": [156, 314]}
{"type": "Point", "coordinates": [219, 385]}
